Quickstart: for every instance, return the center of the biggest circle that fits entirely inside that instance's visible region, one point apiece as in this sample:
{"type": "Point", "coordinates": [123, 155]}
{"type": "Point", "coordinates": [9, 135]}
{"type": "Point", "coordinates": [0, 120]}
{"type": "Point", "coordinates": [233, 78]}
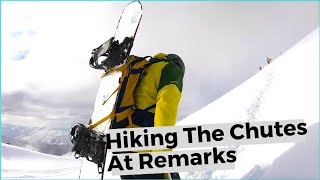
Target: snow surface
{"type": "Point", "coordinates": [20, 162]}
{"type": "Point", "coordinates": [286, 89]}
{"type": "Point", "coordinates": [23, 163]}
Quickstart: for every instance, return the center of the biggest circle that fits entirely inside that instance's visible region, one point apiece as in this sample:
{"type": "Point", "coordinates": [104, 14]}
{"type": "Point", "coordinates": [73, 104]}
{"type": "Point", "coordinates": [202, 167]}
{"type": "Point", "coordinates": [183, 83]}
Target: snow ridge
{"type": "Point", "coordinates": [285, 89]}
{"type": "Point", "coordinates": [19, 162]}
{"type": "Point", "coordinates": [42, 139]}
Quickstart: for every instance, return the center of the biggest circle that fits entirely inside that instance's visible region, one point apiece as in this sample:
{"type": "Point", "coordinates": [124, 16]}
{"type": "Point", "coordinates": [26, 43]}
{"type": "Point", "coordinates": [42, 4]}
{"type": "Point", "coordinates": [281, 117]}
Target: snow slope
{"type": "Point", "coordinates": [303, 162]}
{"type": "Point", "coordinates": [45, 140]}
{"type": "Point", "coordinates": [19, 162]}
{"type": "Point", "coordinates": [286, 89]}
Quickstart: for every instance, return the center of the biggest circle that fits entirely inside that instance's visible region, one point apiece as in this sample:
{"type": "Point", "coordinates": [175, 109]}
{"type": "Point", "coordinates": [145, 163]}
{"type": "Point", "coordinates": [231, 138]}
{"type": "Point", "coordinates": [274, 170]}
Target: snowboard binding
{"type": "Point", "coordinates": [89, 144]}
{"type": "Point", "coordinates": [112, 53]}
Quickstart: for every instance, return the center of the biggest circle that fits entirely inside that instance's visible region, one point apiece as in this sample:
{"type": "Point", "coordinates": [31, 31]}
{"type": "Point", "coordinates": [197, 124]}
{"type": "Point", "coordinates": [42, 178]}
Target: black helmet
{"type": "Point", "coordinates": [176, 59]}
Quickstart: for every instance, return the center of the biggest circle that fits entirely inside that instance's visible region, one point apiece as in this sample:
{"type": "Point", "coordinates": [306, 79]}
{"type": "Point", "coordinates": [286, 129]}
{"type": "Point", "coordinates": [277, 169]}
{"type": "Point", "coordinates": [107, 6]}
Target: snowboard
{"type": "Point", "coordinates": [129, 22]}
{"type": "Point", "coordinates": [107, 94]}
{"type": "Point", "coordinates": [127, 28]}
{"type": "Point", "coordinates": [123, 38]}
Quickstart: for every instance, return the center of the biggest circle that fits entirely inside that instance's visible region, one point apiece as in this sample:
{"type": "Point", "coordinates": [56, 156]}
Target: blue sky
{"type": "Point", "coordinates": [46, 80]}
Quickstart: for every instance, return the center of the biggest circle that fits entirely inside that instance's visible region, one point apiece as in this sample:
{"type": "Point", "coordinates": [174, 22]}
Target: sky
{"type": "Point", "coordinates": [46, 46]}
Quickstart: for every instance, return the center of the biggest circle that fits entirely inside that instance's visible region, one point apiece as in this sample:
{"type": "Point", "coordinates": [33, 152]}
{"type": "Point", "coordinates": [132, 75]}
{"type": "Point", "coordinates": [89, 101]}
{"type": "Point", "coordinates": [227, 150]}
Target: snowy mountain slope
{"type": "Point", "coordinates": [43, 140]}
{"type": "Point", "coordinates": [298, 156]}
{"type": "Point", "coordinates": [286, 89]}
{"type": "Point", "coordinates": [22, 163]}
{"type": "Point", "coordinates": [19, 162]}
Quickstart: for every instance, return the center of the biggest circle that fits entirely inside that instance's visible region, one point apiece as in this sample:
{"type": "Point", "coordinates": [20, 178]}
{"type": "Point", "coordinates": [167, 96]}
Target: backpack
{"type": "Point", "coordinates": [124, 112]}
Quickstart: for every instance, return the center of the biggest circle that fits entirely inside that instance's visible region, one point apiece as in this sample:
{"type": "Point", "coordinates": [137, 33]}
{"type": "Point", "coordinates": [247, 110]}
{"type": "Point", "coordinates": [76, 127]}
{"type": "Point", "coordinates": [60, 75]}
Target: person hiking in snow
{"type": "Point", "coordinates": [134, 92]}
{"type": "Point", "coordinates": [269, 60]}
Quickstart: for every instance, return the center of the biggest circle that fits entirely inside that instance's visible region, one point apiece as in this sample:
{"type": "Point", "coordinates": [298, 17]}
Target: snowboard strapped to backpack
{"type": "Point", "coordinates": [92, 145]}
{"type": "Point", "coordinates": [123, 114]}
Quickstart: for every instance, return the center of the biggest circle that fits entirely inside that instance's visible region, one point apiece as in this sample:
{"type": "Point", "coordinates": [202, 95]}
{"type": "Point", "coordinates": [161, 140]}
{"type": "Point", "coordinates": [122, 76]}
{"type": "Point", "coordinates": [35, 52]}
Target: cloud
{"type": "Point", "coordinates": [46, 110]}
{"type": "Point", "coordinates": [21, 54]}
{"type": "Point", "coordinates": [24, 33]}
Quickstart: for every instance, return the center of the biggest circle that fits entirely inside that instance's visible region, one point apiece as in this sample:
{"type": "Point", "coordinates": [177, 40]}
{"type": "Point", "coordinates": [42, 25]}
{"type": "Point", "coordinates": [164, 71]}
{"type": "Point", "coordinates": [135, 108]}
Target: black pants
{"type": "Point", "coordinates": [150, 176]}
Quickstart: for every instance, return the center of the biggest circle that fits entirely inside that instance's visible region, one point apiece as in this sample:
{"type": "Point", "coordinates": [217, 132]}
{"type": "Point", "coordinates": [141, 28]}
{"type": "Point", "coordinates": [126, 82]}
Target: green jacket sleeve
{"type": "Point", "coordinates": [168, 97]}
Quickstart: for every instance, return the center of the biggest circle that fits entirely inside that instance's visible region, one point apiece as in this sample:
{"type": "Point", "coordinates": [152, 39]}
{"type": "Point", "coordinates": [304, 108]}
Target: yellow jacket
{"type": "Point", "coordinates": [149, 99]}
{"type": "Point", "coordinates": [161, 85]}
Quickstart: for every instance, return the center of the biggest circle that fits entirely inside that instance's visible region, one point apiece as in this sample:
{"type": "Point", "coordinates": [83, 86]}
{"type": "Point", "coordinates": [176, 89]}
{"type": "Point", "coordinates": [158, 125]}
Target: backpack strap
{"type": "Point", "coordinates": [125, 104]}
{"type": "Point", "coordinates": [124, 112]}
{"type": "Point", "coordinates": [102, 120]}
{"type": "Point", "coordinates": [111, 115]}
{"type": "Point", "coordinates": [150, 107]}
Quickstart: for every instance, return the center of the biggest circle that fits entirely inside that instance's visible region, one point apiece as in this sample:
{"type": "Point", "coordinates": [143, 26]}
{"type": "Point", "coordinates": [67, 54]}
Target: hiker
{"type": "Point", "coordinates": [269, 60]}
{"type": "Point", "coordinates": [134, 92]}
